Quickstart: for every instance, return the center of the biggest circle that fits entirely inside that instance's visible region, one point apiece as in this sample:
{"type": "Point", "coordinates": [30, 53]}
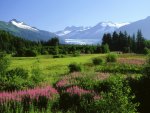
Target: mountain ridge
{"type": "Point", "coordinates": [143, 25]}
{"type": "Point", "coordinates": [76, 34]}
{"type": "Point", "coordinates": [23, 30]}
{"type": "Point", "coordinates": [81, 35]}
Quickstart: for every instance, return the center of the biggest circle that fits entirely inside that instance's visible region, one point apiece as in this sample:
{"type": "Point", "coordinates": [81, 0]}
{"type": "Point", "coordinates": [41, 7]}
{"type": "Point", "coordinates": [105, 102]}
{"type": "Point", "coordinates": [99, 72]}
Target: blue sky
{"type": "Point", "coordinates": [53, 15]}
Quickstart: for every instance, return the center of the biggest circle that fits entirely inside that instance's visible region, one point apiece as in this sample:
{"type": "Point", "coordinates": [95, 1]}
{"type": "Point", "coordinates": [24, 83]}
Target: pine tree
{"type": "Point", "coordinates": [133, 45]}
{"type": "Point", "coordinates": [140, 42]}
{"type": "Point", "coordinates": [106, 39]}
{"type": "Point", "coordinates": [115, 39]}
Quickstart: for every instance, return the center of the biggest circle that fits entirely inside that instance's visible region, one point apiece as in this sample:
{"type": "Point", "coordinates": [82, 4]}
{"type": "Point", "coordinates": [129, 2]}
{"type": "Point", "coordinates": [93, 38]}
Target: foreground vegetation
{"type": "Point", "coordinates": [45, 77]}
{"type": "Point", "coordinates": [99, 83]}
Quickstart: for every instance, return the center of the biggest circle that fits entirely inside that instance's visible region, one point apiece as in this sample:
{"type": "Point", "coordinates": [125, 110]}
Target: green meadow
{"type": "Point", "coordinates": [52, 68]}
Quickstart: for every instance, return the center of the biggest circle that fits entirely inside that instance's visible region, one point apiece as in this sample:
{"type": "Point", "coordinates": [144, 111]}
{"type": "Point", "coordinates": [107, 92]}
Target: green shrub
{"type": "Point", "coordinates": [146, 69]}
{"type": "Point", "coordinates": [148, 59]}
{"type": "Point", "coordinates": [44, 52]}
{"type": "Point", "coordinates": [105, 48]}
{"type": "Point", "coordinates": [146, 51]}
{"type": "Point", "coordinates": [25, 53]}
{"type": "Point", "coordinates": [120, 68]}
{"type": "Point", "coordinates": [98, 61]}
{"type": "Point", "coordinates": [19, 53]}
{"type": "Point", "coordinates": [74, 102]}
{"type": "Point", "coordinates": [4, 64]}
{"type": "Point", "coordinates": [111, 58]}
{"type": "Point", "coordinates": [116, 99]}
{"type": "Point", "coordinates": [74, 67]}
{"type": "Point", "coordinates": [30, 53]}
{"type": "Point", "coordinates": [15, 83]}
{"type": "Point", "coordinates": [19, 72]}
{"type": "Point", "coordinates": [76, 53]}
{"type": "Point", "coordinates": [58, 56]}
{"type": "Point", "coordinates": [36, 76]}
{"type": "Point", "coordinates": [55, 50]}
{"type": "Point", "coordinates": [17, 79]}
{"type": "Point", "coordinates": [141, 88]}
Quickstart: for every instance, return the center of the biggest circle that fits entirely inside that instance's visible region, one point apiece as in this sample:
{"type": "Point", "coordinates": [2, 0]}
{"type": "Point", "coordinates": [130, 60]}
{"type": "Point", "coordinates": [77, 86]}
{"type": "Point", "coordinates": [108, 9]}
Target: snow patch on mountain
{"type": "Point", "coordinates": [22, 25]}
{"type": "Point", "coordinates": [111, 24]}
{"type": "Point", "coordinates": [71, 29]}
{"type": "Point", "coordinates": [61, 33]}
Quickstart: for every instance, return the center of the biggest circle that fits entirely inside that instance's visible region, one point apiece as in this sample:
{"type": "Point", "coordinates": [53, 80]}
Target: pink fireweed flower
{"type": "Point", "coordinates": [62, 83]}
{"type": "Point", "coordinates": [47, 91]}
{"type": "Point", "coordinates": [101, 76]}
{"type": "Point", "coordinates": [77, 90]}
{"type": "Point", "coordinates": [68, 80]}
{"type": "Point", "coordinates": [135, 61]}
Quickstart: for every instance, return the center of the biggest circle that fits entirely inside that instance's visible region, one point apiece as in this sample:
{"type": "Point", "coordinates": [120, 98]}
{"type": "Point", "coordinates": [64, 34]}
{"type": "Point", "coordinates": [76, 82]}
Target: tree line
{"type": "Point", "coordinates": [18, 46]}
{"type": "Point", "coordinates": [123, 42]}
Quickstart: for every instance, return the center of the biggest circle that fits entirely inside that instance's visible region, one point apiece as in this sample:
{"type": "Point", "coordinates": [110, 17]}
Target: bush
{"type": "Point", "coordinates": [117, 98]}
{"type": "Point", "coordinates": [97, 61]}
{"type": "Point", "coordinates": [19, 72]}
{"type": "Point", "coordinates": [36, 76]}
{"type": "Point", "coordinates": [25, 53]}
{"type": "Point", "coordinates": [4, 63]}
{"type": "Point", "coordinates": [120, 68]}
{"type": "Point", "coordinates": [148, 59]}
{"type": "Point", "coordinates": [19, 53]}
{"type": "Point", "coordinates": [58, 56]}
{"type": "Point", "coordinates": [15, 83]}
{"type": "Point", "coordinates": [141, 88]}
{"type": "Point", "coordinates": [105, 48]}
{"type": "Point", "coordinates": [111, 58]}
{"type": "Point", "coordinates": [55, 50]}
{"type": "Point", "coordinates": [30, 53]}
{"type": "Point", "coordinates": [146, 51]}
{"type": "Point", "coordinates": [18, 79]}
{"type": "Point", "coordinates": [44, 52]}
{"type": "Point", "coordinates": [146, 69]}
{"type": "Point", "coordinates": [74, 67]}
{"type": "Point", "coordinates": [76, 53]}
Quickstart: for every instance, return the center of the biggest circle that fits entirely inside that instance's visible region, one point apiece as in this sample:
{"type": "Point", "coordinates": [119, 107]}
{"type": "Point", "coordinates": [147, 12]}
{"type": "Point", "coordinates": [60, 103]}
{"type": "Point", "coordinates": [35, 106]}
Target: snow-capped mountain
{"type": "Point", "coordinates": [22, 25]}
{"type": "Point", "coordinates": [76, 35]}
{"type": "Point", "coordinates": [88, 35]}
{"type": "Point", "coordinates": [23, 30]}
{"type": "Point", "coordinates": [143, 25]}
{"type": "Point", "coordinates": [68, 30]}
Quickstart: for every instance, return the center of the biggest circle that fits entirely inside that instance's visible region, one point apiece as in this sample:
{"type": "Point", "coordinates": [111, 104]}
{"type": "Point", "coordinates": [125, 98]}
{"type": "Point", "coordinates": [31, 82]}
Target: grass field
{"type": "Point", "coordinates": [53, 68]}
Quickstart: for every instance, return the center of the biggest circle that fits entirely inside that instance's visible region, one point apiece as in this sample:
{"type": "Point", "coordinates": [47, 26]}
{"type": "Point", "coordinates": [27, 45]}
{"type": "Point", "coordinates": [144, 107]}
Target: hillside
{"type": "Point", "coordinates": [23, 30]}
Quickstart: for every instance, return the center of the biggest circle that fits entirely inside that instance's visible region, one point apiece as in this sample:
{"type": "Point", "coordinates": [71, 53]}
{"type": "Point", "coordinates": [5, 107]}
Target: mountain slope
{"type": "Point", "coordinates": [88, 35]}
{"type": "Point", "coordinates": [71, 29]}
{"type": "Point", "coordinates": [25, 31]}
{"type": "Point", "coordinates": [143, 25]}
